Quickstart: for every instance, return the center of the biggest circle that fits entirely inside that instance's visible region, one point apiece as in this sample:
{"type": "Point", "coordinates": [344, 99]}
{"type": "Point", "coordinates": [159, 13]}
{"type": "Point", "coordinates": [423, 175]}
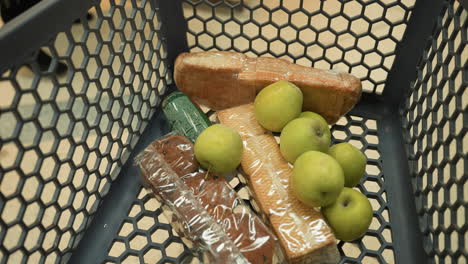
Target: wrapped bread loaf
{"type": "Point", "coordinates": [195, 222]}
{"type": "Point", "coordinates": [302, 231]}
{"type": "Point", "coordinates": [222, 79]}
{"type": "Point", "coordinates": [249, 234]}
{"type": "Point", "coordinates": [236, 236]}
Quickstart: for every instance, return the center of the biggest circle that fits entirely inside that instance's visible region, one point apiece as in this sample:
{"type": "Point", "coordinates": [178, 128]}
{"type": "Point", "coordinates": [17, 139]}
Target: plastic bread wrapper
{"type": "Point", "coordinates": [207, 211]}
{"type": "Point", "coordinates": [223, 79]}
{"type": "Point", "coordinates": [301, 230]}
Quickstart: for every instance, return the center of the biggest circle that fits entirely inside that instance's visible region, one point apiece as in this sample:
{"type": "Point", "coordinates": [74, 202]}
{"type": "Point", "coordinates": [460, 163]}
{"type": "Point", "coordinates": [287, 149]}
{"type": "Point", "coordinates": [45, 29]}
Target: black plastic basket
{"type": "Point", "coordinates": [69, 191]}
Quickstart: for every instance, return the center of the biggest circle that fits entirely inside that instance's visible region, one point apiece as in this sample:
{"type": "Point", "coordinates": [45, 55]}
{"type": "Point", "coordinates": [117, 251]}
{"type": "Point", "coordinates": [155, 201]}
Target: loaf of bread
{"type": "Point", "coordinates": [222, 79]}
{"type": "Point", "coordinates": [195, 222]}
{"type": "Point", "coordinates": [241, 225]}
{"type": "Point", "coordinates": [302, 231]}
{"type": "Point", "coordinates": [215, 197]}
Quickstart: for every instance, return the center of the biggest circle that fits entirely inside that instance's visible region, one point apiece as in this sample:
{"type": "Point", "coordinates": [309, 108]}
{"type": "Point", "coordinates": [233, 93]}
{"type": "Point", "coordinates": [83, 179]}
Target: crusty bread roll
{"type": "Point", "coordinates": [301, 230]}
{"type": "Point", "coordinates": [223, 79]}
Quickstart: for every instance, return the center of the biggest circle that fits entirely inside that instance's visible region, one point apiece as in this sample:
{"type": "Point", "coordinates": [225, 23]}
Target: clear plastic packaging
{"type": "Point", "coordinates": [223, 228]}
{"type": "Point", "coordinates": [302, 231]}
{"type": "Point", "coordinates": [183, 116]}
{"type": "Point", "coordinates": [223, 79]}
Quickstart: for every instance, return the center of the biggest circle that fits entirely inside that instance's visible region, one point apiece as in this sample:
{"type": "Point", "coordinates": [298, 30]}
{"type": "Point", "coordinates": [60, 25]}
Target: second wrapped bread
{"type": "Point", "coordinates": [222, 79]}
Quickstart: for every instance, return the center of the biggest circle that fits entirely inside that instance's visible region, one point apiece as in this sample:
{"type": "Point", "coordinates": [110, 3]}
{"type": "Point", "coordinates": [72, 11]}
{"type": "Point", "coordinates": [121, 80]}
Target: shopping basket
{"type": "Point", "coordinates": [70, 192]}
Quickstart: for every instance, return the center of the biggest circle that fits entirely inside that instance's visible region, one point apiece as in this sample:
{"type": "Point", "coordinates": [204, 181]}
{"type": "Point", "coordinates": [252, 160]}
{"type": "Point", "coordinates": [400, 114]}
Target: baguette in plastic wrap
{"type": "Point", "coordinates": [302, 231]}
{"type": "Point", "coordinates": [211, 214]}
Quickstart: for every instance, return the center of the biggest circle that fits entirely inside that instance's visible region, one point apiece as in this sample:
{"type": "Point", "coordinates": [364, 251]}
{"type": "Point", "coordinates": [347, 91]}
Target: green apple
{"type": "Point", "coordinates": [351, 160]}
{"type": "Point", "coordinates": [219, 149]}
{"type": "Point", "coordinates": [350, 215]}
{"type": "Point", "coordinates": [317, 179]}
{"type": "Point", "coordinates": [277, 104]}
{"type": "Point", "coordinates": [301, 135]}
{"type": "Point", "coordinates": [318, 117]}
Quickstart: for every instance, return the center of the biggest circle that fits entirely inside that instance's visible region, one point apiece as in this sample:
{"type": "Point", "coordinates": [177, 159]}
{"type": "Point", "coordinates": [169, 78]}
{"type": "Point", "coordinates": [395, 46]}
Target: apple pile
{"type": "Point", "coordinates": [323, 176]}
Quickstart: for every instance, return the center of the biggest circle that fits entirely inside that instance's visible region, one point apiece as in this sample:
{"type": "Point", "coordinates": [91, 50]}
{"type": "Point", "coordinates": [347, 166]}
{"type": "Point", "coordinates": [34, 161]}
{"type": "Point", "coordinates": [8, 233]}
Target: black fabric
{"type": "Point", "coordinates": [10, 9]}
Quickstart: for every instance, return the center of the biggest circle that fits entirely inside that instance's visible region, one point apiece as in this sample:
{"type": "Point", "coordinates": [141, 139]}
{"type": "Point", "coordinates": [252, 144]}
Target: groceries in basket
{"type": "Point", "coordinates": [207, 209]}
{"type": "Point", "coordinates": [302, 185]}
{"type": "Point", "coordinates": [303, 233]}
{"type": "Point", "coordinates": [221, 79]}
{"type": "Point", "coordinates": [219, 149]}
{"type": "Point", "coordinates": [183, 116]}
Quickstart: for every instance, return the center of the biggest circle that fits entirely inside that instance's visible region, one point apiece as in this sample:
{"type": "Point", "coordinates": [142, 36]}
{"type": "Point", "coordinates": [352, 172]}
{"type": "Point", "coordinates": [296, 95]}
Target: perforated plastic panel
{"type": "Point", "coordinates": [68, 128]}
{"type": "Point", "coordinates": [146, 235]}
{"type": "Point", "coordinates": [141, 238]}
{"type": "Point", "coordinates": [64, 137]}
{"type": "Point", "coordinates": [437, 121]}
{"type": "Point", "coordinates": [377, 245]}
{"type": "Point", "coordinates": [354, 36]}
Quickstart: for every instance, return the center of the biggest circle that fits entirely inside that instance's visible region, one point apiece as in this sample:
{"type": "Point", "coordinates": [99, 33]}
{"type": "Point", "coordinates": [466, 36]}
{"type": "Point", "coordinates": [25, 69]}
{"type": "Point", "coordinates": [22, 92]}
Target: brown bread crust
{"type": "Point", "coordinates": [223, 79]}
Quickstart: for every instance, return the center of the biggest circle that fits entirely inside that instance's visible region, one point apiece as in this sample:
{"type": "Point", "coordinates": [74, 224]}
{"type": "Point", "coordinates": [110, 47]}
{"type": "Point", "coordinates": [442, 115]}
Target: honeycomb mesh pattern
{"type": "Point", "coordinates": [359, 36]}
{"type": "Point", "coordinates": [146, 235]}
{"type": "Point", "coordinates": [67, 129]}
{"type": "Point", "coordinates": [141, 237]}
{"type": "Point", "coordinates": [376, 246]}
{"type": "Point", "coordinates": [435, 117]}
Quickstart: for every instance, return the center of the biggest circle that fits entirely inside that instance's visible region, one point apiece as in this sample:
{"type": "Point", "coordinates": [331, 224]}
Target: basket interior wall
{"type": "Point", "coordinates": [67, 127]}
{"type": "Point", "coordinates": [435, 117]}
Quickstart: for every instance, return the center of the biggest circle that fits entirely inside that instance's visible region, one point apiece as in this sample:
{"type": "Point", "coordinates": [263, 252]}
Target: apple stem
{"type": "Point", "coordinates": [207, 172]}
